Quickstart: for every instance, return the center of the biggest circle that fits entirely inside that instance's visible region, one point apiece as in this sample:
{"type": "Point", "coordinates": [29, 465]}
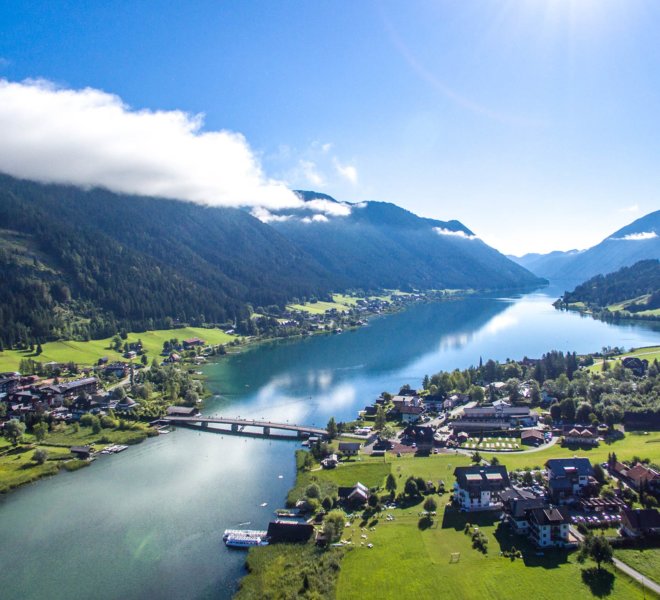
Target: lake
{"type": "Point", "coordinates": [148, 522]}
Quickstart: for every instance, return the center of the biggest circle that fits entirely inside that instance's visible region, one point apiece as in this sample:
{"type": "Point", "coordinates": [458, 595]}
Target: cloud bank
{"type": "Point", "coordinates": [637, 237]}
{"type": "Point", "coordinates": [90, 138]}
{"type": "Point", "coordinates": [461, 234]}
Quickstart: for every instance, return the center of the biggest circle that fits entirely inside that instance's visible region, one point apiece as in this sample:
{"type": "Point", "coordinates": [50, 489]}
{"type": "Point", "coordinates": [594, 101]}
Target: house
{"type": "Point", "coordinates": [532, 437]}
{"type": "Point", "coordinates": [88, 385]}
{"type": "Point", "coordinates": [131, 354]}
{"type": "Point", "coordinates": [192, 342]}
{"type": "Point", "coordinates": [636, 522]}
{"type": "Point", "coordinates": [516, 504]}
{"type": "Point", "coordinates": [569, 477]}
{"type": "Point", "coordinates": [127, 405]}
{"type": "Point", "coordinates": [9, 384]}
{"type": "Point", "coordinates": [479, 488]}
{"type": "Point", "coordinates": [330, 462]}
{"type": "Point", "coordinates": [349, 448]}
{"type": "Point", "coordinates": [182, 411]}
{"type": "Point", "coordinates": [411, 414]}
{"type": "Point", "coordinates": [549, 527]}
{"type": "Point", "coordinates": [581, 436]}
{"type": "Point", "coordinates": [422, 436]}
{"type": "Point", "coordinates": [289, 532]}
{"type": "Point", "coordinates": [81, 452]}
{"type": "Point", "coordinates": [358, 494]}
{"type": "Point", "coordinates": [641, 476]}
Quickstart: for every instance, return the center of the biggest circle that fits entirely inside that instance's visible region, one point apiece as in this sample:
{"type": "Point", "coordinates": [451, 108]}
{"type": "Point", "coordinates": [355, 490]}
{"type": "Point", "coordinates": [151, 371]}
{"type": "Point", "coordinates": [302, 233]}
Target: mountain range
{"type": "Point", "coordinates": [640, 240]}
{"type": "Point", "coordinates": [85, 263]}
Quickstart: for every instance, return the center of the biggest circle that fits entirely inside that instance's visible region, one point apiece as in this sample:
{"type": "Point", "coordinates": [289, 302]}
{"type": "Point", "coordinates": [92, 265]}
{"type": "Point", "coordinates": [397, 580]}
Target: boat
{"type": "Point", "coordinates": [238, 541]}
{"type": "Point", "coordinates": [244, 538]}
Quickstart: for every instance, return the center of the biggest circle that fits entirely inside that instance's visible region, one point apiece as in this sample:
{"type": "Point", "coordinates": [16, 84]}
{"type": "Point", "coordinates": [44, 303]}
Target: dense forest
{"type": "Point", "coordinates": [637, 288]}
{"type": "Point", "coordinates": [84, 264]}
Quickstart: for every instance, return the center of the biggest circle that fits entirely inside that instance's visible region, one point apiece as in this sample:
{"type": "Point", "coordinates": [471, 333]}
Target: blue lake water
{"type": "Point", "coordinates": [148, 522]}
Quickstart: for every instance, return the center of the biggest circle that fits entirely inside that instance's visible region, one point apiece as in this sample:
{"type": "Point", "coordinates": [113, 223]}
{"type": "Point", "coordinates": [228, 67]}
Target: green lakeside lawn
{"type": "Point", "coordinates": [88, 353]}
{"type": "Point", "coordinates": [411, 560]}
{"type": "Point", "coordinates": [17, 468]}
{"type": "Point", "coordinates": [633, 444]}
{"type": "Point", "coordinates": [647, 561]}
{"type": "Point", "coordinates": [650, 353]}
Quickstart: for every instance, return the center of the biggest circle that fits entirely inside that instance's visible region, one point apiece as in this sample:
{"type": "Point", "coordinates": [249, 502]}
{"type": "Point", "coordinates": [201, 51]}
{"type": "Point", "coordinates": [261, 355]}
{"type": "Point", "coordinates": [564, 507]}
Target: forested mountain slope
{"type": "Point", "coordinates": [84, 263]}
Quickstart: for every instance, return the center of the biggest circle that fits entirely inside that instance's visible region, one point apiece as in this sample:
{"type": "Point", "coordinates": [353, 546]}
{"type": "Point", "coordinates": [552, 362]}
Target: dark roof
{"type": "Point", "coordinates": [289, 531]}
{"type": "Point", "coordinates": [181, 411]}
{"type": "Point", "coordinates": [549, 516]}
{"type": "Point", "coordinates": [482, 477]}
{"type": "Point", "coordinates": [351, 446]}
{"type": "Point", "coordinates": [642, 519]}
{"type": "Point", "coordinates": [72, 385]}
{"type": "Point", "coordinates": [80, 449]}
{"type": "Point", "coordinates": [563, 466]}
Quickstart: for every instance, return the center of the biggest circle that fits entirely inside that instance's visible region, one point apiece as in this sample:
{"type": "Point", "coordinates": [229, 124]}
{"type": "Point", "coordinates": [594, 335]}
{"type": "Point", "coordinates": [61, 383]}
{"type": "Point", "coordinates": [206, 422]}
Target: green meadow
{"type": "Point", "coordinates": [412, 558]}
{"type": "Point", "coordinates": [87, 353]}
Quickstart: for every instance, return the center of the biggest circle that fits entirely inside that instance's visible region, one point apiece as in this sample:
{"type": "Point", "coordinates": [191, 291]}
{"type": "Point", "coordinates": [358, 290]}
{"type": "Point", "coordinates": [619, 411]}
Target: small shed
{"type": "Point", "coordinates": [82, 452]}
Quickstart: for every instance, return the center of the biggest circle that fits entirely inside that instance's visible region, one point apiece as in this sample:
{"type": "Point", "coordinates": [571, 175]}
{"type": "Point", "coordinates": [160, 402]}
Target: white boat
{"type": "Point", "coordinates": [234, 541]}
{"type": "Point", "coordinates": [244, 538]}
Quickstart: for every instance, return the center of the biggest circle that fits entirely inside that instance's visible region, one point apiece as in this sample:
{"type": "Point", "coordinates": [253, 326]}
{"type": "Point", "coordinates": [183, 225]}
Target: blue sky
{"type": "Point", "coordinates": [534, 122]}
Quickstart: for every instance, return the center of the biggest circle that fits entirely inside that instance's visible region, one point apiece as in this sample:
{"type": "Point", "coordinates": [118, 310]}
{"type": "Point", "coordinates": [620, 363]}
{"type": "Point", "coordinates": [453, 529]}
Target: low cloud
{"type": "Point", "coordinates": [633, 208]}
{"type": "Point", "coordinates": [461, 234]}
{"type": "Point", "coordinates": [348, 172]}
{"type": "Point", "coordinates": [90, 138]}
{"type": "Point", "coordinates": [637, 237]}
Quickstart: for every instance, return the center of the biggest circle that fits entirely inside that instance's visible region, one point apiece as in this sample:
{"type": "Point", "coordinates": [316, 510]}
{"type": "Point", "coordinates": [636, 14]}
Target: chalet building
{"type": "Point", "coordinates": [330, 462]}
{"type": "Point", "coordinates": [192, 342]}
{"type": "Point", "coordinates": [639, 476]}
{"type": "Point", "coordinates": [127, 405]}
{"type": "Point", "coordinates": [637, 522]}
{"type": "Point", "coordinates": [479, 488]}
{"type": "Point", "coordinates": [356, 495]}
{"type": "Point", "coordinates": [498, 417]}
{"type": "Point", "coordinates": [411, 414]}
{"type": "Point", "coordinates": [516, 504]}
{"type": "Point", "coordinates": [581, 436]}
{"type": "Point", "coordinates": [349, 448]}
{"type": "Point", "coordinates": [422, 436]}
{"type": "Point", "coordinates": [549, 527]}
{"type": "Point", "coordinates": [9, 384]}
{"type": "Point", "coordinates": [569, 477]}
{"type": "Point", "coordinates": [532, 437]}
{"type": "Point", "coordinates": [71, 389]}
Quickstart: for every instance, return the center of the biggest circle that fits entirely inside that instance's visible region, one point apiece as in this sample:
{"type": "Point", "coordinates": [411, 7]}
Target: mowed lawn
{"type": "Point", "coordinates": [650, 353]}
{"type": "Point", "coordinates": [87, 353]}
{"type": "Point", "coordinates": [647, 561]}
{"type": "Point", "coordinates": [633, 444]}
{"type": "Point", "coordinates": [408, 562]}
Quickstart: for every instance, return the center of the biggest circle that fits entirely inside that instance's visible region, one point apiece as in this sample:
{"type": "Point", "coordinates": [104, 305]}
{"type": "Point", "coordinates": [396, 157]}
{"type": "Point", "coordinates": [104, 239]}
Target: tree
{"type": "Point", "coordinates": [380, 420]}
{"type": "Point", "coordinates": [555, 412]}
{"type": "Point", "coordinates": [477, 394]}
{"type": "Point", "coordinates": [597, 548]}
{"type": "Point", "coordinates": [599, 473]}
{"type": "Point", "coordinates": [313, 491]}
{"type": "Point", "coordinates": [390, 483]}
{"type": "Point", "coordinates": [40, 430]}
{"type": "Point", "coordinates": [327, 504]}
{"type": "Point", "coordinates": [430, 504]}
{"type": "Point", "coordinates": [411, 488]}
{"type": "Point", "coordinates": [494, 461]}
{"type": "Point", "coordinates": [568, 410]}
{"type": "Point", "coordinates": [14, 431]}
{"type": "Point", "coordinates": [387, 433]}
{"type": "Point", "coordinates": [332, 428]}
{"type": "Point", "coordinates": [333, 526]}
{"type": "Point", "coordinates": [476, 457]}
{"type": "Point", "coordinates": [40, 456]}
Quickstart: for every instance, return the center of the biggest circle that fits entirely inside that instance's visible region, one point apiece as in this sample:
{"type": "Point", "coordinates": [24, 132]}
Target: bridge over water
{"type": "Point", "coordinates": [247, 426]}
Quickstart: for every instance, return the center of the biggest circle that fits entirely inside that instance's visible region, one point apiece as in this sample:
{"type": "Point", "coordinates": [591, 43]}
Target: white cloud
{"type": "Point", "coordinates": [461, 234]}
{"type": "Point", "coordinates": [348, 172]}
{"type": "Point", "coordinates": [633, 208]}
{"type": "Point", "coordinates": [315, 219]}
{"type": "Point", "coordinates": [91, 138]}
{"type": "Point", "coordinates": [310, 172]}
{"type": "Point", "coordinates": [265, 216]}
{"type": "Point", "coordinates": [636, 237]}
{"type": "Point", "coordinates": [334, 209]}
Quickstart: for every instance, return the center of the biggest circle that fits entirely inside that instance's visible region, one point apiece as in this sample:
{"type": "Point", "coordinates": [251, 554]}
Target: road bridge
{"type": "Point", "coordinates": [247, 426]}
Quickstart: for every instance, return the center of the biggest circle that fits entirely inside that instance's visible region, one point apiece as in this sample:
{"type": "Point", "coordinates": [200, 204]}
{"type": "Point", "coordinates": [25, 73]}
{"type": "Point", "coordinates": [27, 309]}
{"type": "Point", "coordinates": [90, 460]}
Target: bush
{"type": "Point", "coordinates": [107, 422]}
{"type": "Point", "coordinates": [40, 456]}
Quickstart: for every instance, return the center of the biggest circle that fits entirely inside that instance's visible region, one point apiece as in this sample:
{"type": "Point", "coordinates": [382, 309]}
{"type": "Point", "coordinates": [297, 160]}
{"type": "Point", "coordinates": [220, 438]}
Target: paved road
{"type": "Point", "coordinates": [627, 569]}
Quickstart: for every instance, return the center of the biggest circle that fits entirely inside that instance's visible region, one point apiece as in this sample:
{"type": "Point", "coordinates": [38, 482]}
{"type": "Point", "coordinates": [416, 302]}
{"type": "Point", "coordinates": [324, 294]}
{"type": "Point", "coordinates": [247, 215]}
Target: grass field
{"type": "Point", "coordinates": [87, 353]}
{"type": "Point", "coordinates": [644, 446]}
{"type": "Point", "coordinates": [17, 467]}
{"type": "Point", "coordinates": [410, 559]}
{"type": "Point", "coordinates": [647, 562]}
